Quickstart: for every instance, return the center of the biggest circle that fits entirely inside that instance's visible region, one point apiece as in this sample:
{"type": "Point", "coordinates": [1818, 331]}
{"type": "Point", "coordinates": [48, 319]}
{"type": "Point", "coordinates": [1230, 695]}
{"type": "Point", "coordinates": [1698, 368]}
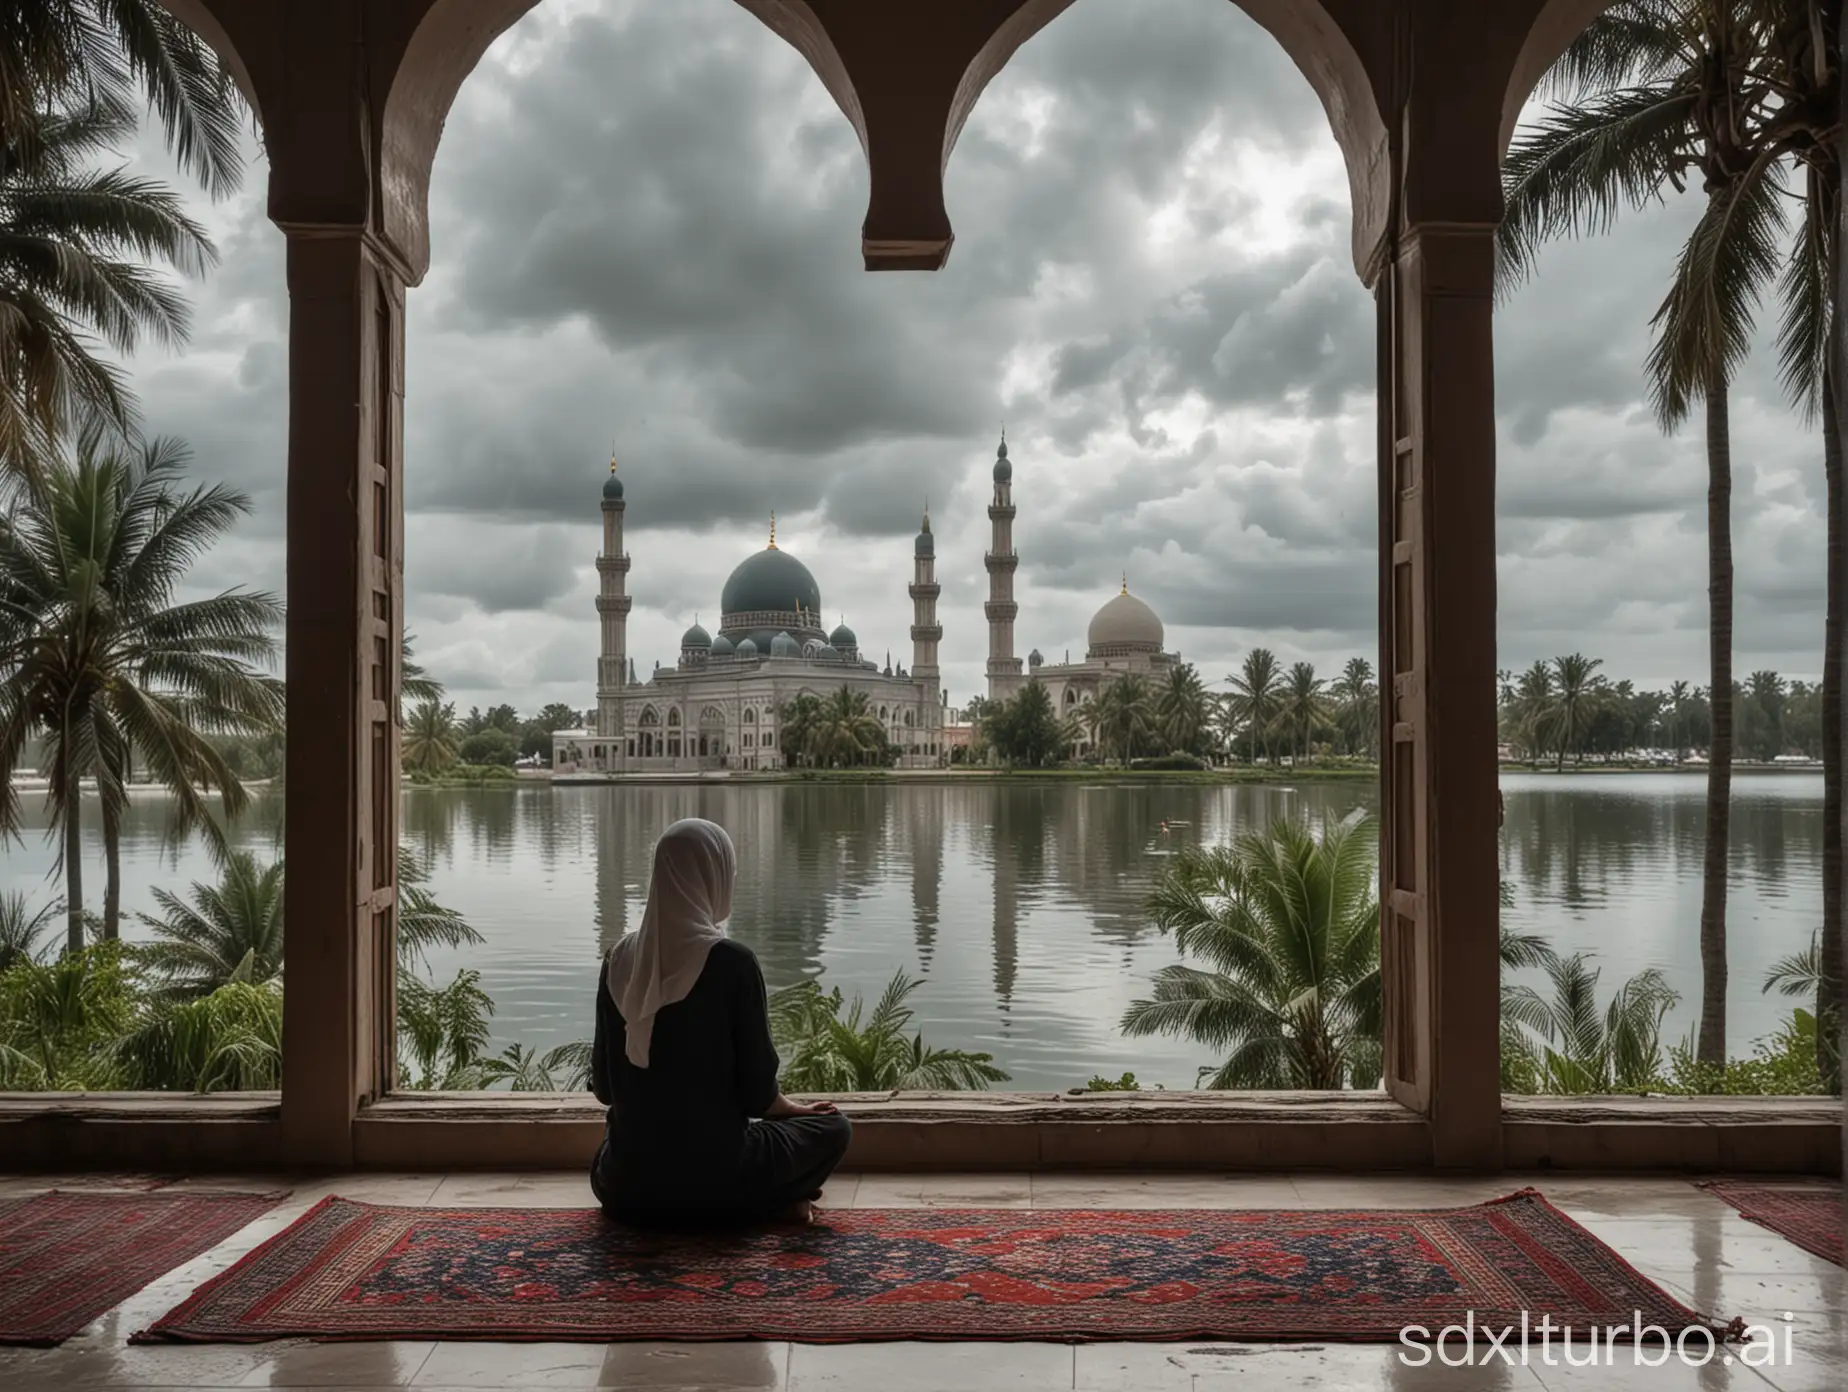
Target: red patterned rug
{"type": "Point", "coordinates": [1810, 1216]}
{"type": "Point", "coordinates": [66, 1258]}
{"type": "Point", "coordinates": [356, 1271]}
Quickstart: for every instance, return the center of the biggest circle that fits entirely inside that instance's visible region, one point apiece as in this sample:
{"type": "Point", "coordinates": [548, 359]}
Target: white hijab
{"type": "Point", "coordinates": [689, 901]}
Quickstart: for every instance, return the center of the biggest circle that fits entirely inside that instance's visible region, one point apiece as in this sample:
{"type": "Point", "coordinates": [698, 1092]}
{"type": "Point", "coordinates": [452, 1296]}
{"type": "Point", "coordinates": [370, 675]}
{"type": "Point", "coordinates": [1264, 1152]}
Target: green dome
{"type": "Point", "coordinates": [747, 649]}
{"type": "Point", "coordinates": [1004, 471]}
{"type": "Point", "coordinates": [696, 637]}
{"type": "Point", "coordinates": [784, 646]}
{"type": "Point", "coordinates": [842, 637]}
{"type": "Point", "coordinates": [612, 489]}
{"type": "Point", "coordinates": [771, 580]}
{"type": "Point", "coordinates": [722, 646]}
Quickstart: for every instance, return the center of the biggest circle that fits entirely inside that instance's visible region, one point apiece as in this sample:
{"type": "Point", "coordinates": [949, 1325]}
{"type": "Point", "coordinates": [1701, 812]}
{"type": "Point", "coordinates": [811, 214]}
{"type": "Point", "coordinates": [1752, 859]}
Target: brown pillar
{"type": "Point", "coordinates": [1439, 868]}
{"type": "Point", "coordinates": [345, 566]}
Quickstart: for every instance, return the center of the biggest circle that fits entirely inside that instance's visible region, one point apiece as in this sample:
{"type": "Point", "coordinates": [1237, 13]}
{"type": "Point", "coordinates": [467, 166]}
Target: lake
{"type": "Point", "coordinates": [1018, 905]}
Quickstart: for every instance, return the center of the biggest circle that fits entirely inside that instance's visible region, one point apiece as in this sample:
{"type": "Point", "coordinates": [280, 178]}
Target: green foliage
{"type": "Point", "coordinates": [22, 927]}
{"type": "Point", "coordinates": [1184, 711]}
{"type": "Point", "coordinates": [825, 1053]}
{"type": "Point", "coordinates": [1288, 926]}
{"type": "Point", "coordinates": [1126, 1083]}
{"type": "Point", "coordinates": [431, 740]}
{"type": "Point", "coordinates": [442, 1032]}
{"type": "Point", "coordinates": [524, 1069]}
{"type": "Point", "coordinates": [231, 931]}
{"type": "Point", "coordinates": [1565, 1044]}
{"type": "Point", "coordinates": [1024, 729]}
{"type": "Point", "coordinates": [75, 246]}
{"type": "Point", "coordinates": [1124, 717]}
{"type": "Point", "coordinates": [59, 1021]}
{"type": "Point", "coordinates": [490, 745]}
{"type": "Point", "coordinates": [1783, 1064]}
{"type": "Point", "coordinates": [1173, 762]}
{"type": "Point", "coordinates": [840, 732]}
{"type": "Point", "coordinates": [228, 1041]}
{"type": "Point", "coordinates": [102, 662]}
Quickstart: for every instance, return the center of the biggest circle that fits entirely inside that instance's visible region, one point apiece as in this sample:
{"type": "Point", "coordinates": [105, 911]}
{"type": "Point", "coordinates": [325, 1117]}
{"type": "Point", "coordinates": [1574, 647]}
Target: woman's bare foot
{"type": "Point", "coordinates": [799, 1214]}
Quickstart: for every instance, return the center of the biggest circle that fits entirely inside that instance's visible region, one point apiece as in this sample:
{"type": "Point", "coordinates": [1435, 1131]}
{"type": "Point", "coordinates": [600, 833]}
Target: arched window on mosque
{"type": "Point", "coordinates": [650, 717]}
{"type": "Point", "coordinates": [769, 739]}
{"type": "Point", "coordinates": [750, 717]}
{"type": "Point", "coordinates": [673, 717]}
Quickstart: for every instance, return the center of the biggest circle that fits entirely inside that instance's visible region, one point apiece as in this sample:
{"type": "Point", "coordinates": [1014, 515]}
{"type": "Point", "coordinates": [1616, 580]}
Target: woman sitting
{"type": "Point", "coordinates": [684, 1062]}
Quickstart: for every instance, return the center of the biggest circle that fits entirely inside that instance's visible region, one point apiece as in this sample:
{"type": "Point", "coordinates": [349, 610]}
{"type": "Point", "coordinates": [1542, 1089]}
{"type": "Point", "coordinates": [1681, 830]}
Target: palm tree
{"type": "Point", "coordinates": [1124, 716]}
{"type": "Point", "coordinates": [1564, 1044]}
{"type": "Point", "coordinates": [1678, 696]}
{"type": "Point", "coordinates": [415, 684]}
{"type": "Point", "coordinates": [74, 246]}
{"type": "Point", "coordinates": [524, 1069]}
{"type": "Point", "coordinates": [801, 717]}
{"type": "Point", "coordinates": [1357, 704]}
{"type": "Point", "coordinates": [1531, 713]}
{"type": "Point", "coordinates": [1183, 711]}
{"type": "Point", "coordinates": [59, 54]}
{"type": "Point", "coordinates": [97, 657]}
{"type": "Point", "coordinates": [1257, 696]}
{"type": "Point", "coordinates": [431, 740]}
{"type": "Point", "coordinates": [1574, 695]}
{"type": "Point", "coordinates": [846, 731]}
{"type": "Point", "coordinates": [1304, 710]}
{"type": "Point", "coordinates": [21, 927]}
{"type": "Point", "coordinates": [233, 930]}
{"type": "Point", "coordinates": [1288, 925]}
{"type": "Point", "coordinates": [1658, 92]}
{"type": "Point", "coordinates": [830, 1054]}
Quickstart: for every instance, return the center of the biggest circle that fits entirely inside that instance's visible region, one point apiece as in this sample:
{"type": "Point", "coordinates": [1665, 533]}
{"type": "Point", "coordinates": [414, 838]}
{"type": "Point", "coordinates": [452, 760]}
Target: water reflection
{"type": "Point", "coordinates": [1019, 906]}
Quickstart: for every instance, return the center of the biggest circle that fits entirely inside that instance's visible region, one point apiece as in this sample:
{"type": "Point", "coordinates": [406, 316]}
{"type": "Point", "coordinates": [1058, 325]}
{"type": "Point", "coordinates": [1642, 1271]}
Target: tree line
{"type": "Point", "coordinates": [1265, 714]}
{"type": "Point", "coordinates": [1564, 708]}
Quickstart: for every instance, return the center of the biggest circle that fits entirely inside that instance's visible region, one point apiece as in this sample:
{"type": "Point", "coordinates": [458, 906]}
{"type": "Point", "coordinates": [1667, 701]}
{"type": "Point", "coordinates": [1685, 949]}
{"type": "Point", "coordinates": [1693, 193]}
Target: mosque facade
{"type": "Point", "coordinates": [1125, 635]}
{"type": "Point", "coordinates": [720, 705]}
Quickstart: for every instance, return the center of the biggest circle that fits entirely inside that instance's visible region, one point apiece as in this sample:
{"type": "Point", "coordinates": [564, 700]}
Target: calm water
{"type": "Point", "coordinates": [1019, 906]}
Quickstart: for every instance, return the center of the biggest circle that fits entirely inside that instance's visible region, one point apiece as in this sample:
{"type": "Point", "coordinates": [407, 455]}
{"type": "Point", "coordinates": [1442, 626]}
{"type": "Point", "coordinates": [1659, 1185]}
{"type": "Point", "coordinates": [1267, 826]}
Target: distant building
{"type": "Point", "coordinates": [720, 705]}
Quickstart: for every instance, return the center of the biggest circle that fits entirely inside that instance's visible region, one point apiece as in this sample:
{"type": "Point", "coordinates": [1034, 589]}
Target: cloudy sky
{"type": "Point", "coordinates": [645, 232]}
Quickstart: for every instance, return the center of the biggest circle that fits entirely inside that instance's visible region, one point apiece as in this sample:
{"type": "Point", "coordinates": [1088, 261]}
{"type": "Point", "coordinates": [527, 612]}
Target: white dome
{"type": "Point", "coordinates": [1125, 623]}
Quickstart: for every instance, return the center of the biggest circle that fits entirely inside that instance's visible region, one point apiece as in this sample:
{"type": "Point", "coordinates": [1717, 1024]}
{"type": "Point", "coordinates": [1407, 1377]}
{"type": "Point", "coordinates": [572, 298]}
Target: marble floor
{"type": "Point", "coordinates": [1678, 1236]}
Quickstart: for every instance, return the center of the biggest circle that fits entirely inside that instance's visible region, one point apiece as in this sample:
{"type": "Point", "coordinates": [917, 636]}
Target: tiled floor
{"type": "Point", "coordinates": [1677, 1235]}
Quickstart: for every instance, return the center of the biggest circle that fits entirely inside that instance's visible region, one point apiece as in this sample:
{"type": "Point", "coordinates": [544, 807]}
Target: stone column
{"type": "Point", "coordinates": [345, 571]}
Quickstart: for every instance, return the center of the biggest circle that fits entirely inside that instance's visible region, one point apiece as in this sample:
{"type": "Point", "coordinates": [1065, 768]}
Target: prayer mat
{"type": "Point", "coordinates": [66, 1258]}
{"type": "Point", "coordinates": [350, 1270]}
{"type": "Point", "coordinates": [1810, 1215]}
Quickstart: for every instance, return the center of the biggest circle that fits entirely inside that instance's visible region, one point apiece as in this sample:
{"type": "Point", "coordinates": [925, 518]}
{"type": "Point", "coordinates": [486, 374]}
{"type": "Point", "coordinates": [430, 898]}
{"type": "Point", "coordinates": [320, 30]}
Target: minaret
{"type": "Point", "coordinates": [926, 633]}
{"type": "Point", "coordinates": [1003, 666]}
{"type": "Point", "coordinates": [613, 604]}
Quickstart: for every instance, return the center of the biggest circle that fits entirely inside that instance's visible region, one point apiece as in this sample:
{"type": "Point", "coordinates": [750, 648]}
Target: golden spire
{"type": "Point", "coordinates": [612, 458]}
{"type": "Point", "coordinates": [927, 512]}
{"type": "Point", "coordinates": [773, 529]}
{"type": "Point", "coordinates": [1126, 582]}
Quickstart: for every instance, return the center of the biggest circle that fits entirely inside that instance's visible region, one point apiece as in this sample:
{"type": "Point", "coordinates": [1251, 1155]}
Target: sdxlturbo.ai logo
{"type": "Point", "coordinates": [1587, 1346]}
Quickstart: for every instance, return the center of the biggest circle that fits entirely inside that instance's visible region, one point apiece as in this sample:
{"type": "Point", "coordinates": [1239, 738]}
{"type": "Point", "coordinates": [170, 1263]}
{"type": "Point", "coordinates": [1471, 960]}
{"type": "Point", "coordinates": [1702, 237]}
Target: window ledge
{"type": "Point", "coordinates": [141, 1106]}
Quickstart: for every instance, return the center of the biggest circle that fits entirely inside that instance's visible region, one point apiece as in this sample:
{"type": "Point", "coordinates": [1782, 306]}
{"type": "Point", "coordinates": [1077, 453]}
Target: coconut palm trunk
{"type": "Point", "coordinates": [73, 857]}
{"type": "Point", "coordinates": [1711, 1044]}
{"type": "Point", "coordinates": [112, 881]}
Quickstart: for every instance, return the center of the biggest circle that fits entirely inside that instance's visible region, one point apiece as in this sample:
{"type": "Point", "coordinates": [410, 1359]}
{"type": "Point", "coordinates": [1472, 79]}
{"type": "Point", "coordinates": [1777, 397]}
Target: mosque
{"type": "Point", "coordinates": [1125, 635]}
{"type": "Point", "coordinates": [720, 705]}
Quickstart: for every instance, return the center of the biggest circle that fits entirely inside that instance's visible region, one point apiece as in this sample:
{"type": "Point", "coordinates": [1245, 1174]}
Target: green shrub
{"type": "Point", "coordinates": [1126, 1083]}
{"type": "Point", "coordinates": [228, 1041]}
{"type": "Point", "coordinates": [1178, 759]}
{"type": "Point", "coordinates": [1782, 1064]}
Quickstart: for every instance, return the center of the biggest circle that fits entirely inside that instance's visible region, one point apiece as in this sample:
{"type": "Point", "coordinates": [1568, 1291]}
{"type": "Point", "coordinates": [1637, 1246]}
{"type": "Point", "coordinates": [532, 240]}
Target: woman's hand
{"type": "Point", "coordinates": [783, 1107]}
